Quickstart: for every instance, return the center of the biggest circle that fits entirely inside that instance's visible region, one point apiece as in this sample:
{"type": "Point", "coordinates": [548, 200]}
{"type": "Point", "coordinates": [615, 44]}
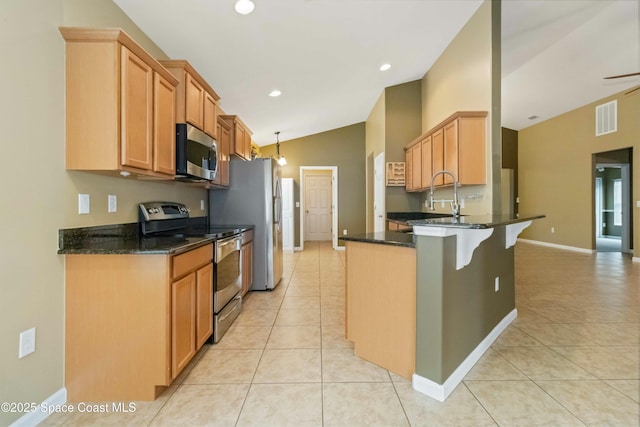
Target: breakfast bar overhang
{"type": "Point", "coordinates": [427, 305]}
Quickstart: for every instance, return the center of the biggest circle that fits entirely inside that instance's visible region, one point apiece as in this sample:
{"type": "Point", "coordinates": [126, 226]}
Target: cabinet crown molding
{"type": "Point", "coordinates": [96, 35]}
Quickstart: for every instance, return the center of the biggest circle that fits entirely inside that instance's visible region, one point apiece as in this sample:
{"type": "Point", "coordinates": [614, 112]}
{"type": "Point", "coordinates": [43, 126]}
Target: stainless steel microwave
{"type": "Point", "coordinates": [196, 154]}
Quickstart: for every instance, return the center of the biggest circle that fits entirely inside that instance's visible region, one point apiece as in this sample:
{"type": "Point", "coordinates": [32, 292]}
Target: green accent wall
{"type": "Point", "coordinates": [342, 147]}
{"type": "Point", "coordinates": [457, 309]}
{"type": "Point", "coordinates": [556, 161]}
{"type": "Point", "coordinates": [403, 123]}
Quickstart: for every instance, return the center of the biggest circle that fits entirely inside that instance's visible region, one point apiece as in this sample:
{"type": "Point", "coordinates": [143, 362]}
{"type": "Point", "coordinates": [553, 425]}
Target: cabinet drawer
{"type": "Point", "coordinates": [191, 260]}
{"type": "Point", "coordinates": [247, 237]}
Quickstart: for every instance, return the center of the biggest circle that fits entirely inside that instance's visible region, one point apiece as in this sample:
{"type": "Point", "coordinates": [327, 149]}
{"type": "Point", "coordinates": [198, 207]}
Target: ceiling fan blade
{"type": "Point", "coordinates": [632, 90]}
{"type": "Point", "coordinates": [623, 75]}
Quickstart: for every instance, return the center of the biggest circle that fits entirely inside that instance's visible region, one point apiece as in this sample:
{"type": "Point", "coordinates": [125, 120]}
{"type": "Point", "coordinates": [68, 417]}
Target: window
{"type": "Point", "coordinates": [617, 202]}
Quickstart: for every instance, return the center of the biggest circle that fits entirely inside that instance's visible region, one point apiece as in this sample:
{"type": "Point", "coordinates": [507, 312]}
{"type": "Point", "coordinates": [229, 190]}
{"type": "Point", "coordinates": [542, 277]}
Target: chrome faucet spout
{"type": "Point", "coordinates": [455, 206]}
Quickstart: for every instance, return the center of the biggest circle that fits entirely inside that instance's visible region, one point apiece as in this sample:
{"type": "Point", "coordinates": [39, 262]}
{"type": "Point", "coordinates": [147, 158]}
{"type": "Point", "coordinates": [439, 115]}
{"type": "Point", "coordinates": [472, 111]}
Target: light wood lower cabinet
{"type": "Point", "coordinates": [247, 261]}
{"type": "Point", "coordinates": [380, 312]}
{"type": "Point", "coordinates": [133, 322]}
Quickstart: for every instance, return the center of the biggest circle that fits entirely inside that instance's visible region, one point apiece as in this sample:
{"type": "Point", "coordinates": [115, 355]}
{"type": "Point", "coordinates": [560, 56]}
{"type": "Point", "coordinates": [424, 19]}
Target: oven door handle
{"type": "Point", "coordinates": [227, 246]}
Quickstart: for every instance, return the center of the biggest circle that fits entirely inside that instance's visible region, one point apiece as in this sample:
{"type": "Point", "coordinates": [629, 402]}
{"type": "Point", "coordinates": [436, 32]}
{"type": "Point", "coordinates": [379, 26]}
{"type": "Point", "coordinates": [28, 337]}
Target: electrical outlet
{"type": "Point", "coordinates": [84, 204]}
{"type": "Point", "coordinates": [517, 199]}
{"type": "Point", "coordinates": [27, 343]}
{"type": "Point", "coordinates": [553, 229]}
{"type": "Point", "coordinates": [201, 205]}
{"type": "Point", "coordinates": [344, 232]}
{"type": "Point", "coordinates": [112, 202]}
{"type": "Point", "coordinates": [497, 284]}
{"type": "Point", "coordinates": [462, 203]}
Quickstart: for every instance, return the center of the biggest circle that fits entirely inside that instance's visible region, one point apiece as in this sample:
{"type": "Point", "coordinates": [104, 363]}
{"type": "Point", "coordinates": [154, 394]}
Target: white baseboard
{"type": "Point", "coordinates": [40, 414]}
{"type": "Point", "coordinates": [441, 391]}
{"type": "Point", "coordinates": [340, 248]}
{"type": "Point", "coordinates": [554, 245]}
{"type": "Point", "coordinates": [297, 249]}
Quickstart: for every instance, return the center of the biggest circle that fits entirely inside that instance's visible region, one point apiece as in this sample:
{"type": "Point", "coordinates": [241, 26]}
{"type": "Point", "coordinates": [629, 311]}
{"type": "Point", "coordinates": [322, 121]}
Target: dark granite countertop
{"type": "Point", "coordinates": [126, 239]}
{"type": "Point", "coordinates": [393, 238]}
{"type": "Point", "coordinates": [474, 221]}
{"type": "Point", "coordinates": [397, 238]}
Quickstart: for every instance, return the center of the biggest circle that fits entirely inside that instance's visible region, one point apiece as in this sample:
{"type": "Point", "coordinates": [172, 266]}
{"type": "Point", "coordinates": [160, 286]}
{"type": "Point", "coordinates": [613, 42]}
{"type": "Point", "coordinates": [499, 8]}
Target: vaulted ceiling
{"type": "Point", "coordinates": [324, 55]}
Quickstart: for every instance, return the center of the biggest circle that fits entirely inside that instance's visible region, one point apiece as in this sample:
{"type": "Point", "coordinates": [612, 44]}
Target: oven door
{"type": "Point", "coordinates": [228, 275]}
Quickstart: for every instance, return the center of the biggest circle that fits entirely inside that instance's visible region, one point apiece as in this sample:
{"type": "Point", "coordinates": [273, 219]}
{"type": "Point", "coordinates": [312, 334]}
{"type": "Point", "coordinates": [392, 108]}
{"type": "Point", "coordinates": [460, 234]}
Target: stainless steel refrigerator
{"type": "Point", "coordinates": [254, 197]}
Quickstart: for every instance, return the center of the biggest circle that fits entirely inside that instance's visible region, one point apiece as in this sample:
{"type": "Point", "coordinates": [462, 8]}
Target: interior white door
{"type": "Point", "coordinates": [317, 204]}
{"type": "Point", "coordinates": [378, 193]}
{"type": "Point", "coordinates": [287, 214]}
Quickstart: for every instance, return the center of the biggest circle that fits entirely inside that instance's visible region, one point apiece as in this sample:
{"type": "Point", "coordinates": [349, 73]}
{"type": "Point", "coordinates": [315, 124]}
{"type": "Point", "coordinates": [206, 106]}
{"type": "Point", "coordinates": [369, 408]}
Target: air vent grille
{"type": "Point", "coordinates": [607, 118]}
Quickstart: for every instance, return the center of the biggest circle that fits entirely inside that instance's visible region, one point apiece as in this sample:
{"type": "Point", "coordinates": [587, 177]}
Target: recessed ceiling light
{"type": "Point", "coordinates": [244, 7]}
{"type": "Point", "coordinates": [275, 93]}
{"type": "Point", "coordinates": [385, 67]}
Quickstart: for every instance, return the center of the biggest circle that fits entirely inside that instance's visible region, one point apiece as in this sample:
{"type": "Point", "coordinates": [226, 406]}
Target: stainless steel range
{"type": "Point", "coordinates": [173, 219]}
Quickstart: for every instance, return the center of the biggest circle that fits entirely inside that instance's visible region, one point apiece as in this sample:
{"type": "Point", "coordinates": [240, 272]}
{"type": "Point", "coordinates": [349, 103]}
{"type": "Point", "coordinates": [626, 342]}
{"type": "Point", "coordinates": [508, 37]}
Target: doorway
{"type": "Point", "coordinates": [318, 204]}
{"type": "Point", "coordinates": [612, 201]}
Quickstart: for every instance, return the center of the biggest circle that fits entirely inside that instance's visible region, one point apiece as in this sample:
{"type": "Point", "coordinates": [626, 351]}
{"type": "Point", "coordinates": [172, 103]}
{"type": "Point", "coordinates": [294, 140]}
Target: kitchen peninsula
{"type": "Point", "coordinates": [426, 305]}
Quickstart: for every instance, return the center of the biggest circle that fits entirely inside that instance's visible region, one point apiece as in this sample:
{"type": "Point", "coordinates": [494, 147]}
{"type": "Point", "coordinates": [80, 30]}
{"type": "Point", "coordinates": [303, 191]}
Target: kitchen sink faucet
{"type": "Point", "coordinates": [455, 206]}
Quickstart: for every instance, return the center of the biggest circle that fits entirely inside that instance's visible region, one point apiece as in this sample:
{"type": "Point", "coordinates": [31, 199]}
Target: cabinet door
{"type": "Point", "coordinates": [451, 151]}
{"type": "Point", "coordinates": [437, 153]}
{"type": "Point", "coordinates": [204, 304]}
{"type": "Point", "coordinates": [194, 102]}
{"type": "Point", "coordinates": [427, 162]}
{"type": "Point", "coordinates": [226, 153]}
{"type": "Point", "coordinates": [417, 166]}
{"type": "Point", "coordinates": [239, 136]}
{"type": "Point", "coordinates": [247, 145]}
{"type": "Point", "coordinates": [210, 115]}
{"type": "Point", "coordinates": [183, 328]}
{"type": "Point", "coordinates": [136, 111]}
{"type": "Point", "coordinates": [408, 169]}
{"type": "Point", "coordinates": [472, 150]}
{"type": "Point", "coordinates": [164, 128]}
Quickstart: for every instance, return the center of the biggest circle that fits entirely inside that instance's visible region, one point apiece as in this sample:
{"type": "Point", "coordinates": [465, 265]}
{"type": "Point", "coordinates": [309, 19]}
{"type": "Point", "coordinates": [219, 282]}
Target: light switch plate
{"type": "Point", "coordinates": [84, 204]}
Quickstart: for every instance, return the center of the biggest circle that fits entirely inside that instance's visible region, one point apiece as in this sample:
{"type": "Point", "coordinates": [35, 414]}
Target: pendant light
{"type": "Point", "coordinates": [281, 160]}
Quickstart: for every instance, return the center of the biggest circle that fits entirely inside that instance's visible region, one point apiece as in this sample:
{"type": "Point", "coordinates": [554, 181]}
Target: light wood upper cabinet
{"type": "Point", "coordinates": [451, 151]}
{"type": "Point", "coordinates": [164, 131]}
{"type": "Point", "coordinates": [437, 147]}
{"type": "Point", "coordinates": [224, 143]}
{"type": "Point", "coordinates": [472, 163]}
{"type": "Point", "coordinates": [416, 171]}
{"type": "Point", "coordinates": [112, 114]}
{"type": "Point", "coordinates": [427, 162]}
{"type": "Point", "coordinates": [408, 169]}
{"type": "Point", "coordinates": [196, 101]}
{"type": "Point", "coordinates": [240, 137]}
{"type": "Point", "coordinates": [136, 111]}
{"type": "Point", "coordinates": [458, 145]}
{"type": "Point", "coordinates": [210, 119]}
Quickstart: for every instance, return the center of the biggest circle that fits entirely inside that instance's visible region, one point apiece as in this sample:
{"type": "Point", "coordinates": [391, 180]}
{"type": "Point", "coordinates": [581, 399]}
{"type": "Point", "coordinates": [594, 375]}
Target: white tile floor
{"type": "Point", "coordinates": [572, 357]}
